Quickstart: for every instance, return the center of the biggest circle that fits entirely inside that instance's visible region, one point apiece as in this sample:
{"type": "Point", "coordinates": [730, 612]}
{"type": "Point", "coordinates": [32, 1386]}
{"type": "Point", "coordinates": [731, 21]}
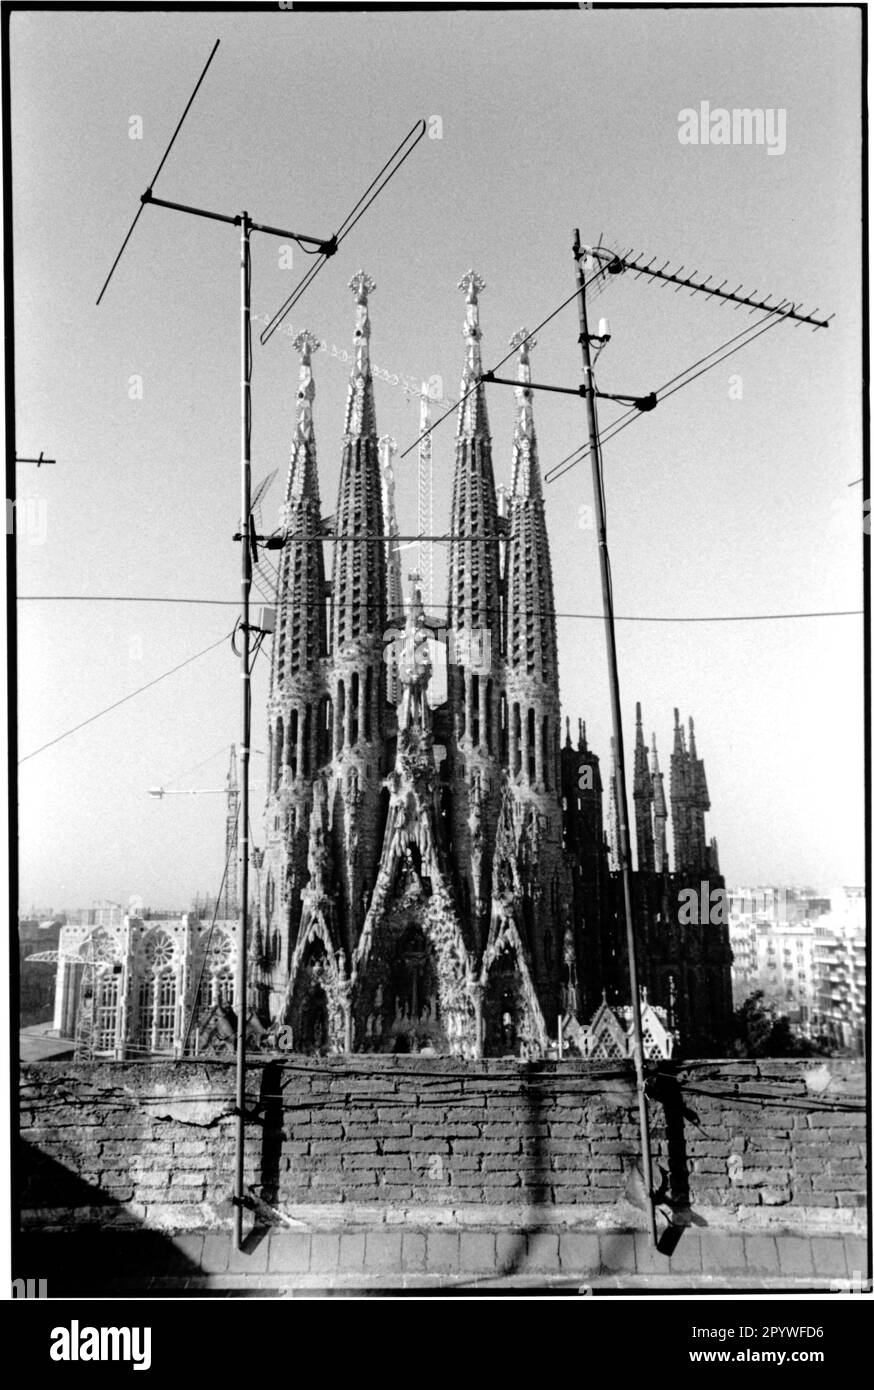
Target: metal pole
{"type": "Point", "coordinates": [243, 831]}
{"type": "Point", "coordinates": [613, 672]}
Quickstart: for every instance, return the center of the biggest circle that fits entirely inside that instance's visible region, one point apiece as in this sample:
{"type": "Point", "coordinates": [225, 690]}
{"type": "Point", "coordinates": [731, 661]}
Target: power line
{"type": "Point", "coordinates": [563, 305]}
{"type": "Point", "coordinates": [125, 698]}
{"type": "Point", "coordinates": [538, 612]}
{"type": "Point", "coordinates": [177, 777]}
{"type": "Point", "coordinates": [345, 228]}
{"type": "Point", "coordinates": [623, 421]}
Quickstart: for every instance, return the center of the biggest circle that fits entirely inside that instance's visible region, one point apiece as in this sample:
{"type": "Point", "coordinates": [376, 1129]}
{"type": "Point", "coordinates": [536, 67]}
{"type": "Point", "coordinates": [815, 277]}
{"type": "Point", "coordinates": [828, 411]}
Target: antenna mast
{"type": "Point", "coordinates": [325, 247]}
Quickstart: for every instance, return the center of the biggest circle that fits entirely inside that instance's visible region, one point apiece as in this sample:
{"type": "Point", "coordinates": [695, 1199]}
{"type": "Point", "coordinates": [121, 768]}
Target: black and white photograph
{"type": "Point", "coordinates": [438, 676]}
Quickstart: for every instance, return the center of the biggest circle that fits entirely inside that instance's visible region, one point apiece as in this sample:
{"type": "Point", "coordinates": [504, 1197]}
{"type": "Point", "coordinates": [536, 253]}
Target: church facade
{"type": "Point", "coordinates": [439, 877]}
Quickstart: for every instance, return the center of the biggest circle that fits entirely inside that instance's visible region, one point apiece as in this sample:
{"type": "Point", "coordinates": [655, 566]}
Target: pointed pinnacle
{"type": "Point", "coordinates": [524, 341]}
{"type": "Point", "coordinates": [362, 285]}
{"type": "Point", "coordinates": [305, 343]}
{"type": "Point", "coordinates": [473, 285]}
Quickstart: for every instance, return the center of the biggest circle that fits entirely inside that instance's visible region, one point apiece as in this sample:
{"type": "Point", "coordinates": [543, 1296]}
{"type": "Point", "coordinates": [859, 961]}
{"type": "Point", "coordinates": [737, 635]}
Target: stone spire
{"type": "Point", "coordinates": [359, 574]}
{"type": "Point", "coordinates": [643, 801]}
{"type": "Point", "coordinates": [358, 628]}
{"type": "Point", "coordinates": [680, 799]}
{"type": "Point", "coordinates": [531, 685]}
{"type": "Point", "coordinates": [531, 655]}
{"type": "Point", "coordinates": [473, 420]}
{"type": "Point", "coordinates": [297, 706]}
{"type": "Point", "coordinates": [660, 814]}
{"type": "Point", "coordinates": [526, 472]}
{"type": "Point", "coordinates": [303, 479]}
{"type": "Point", "coordinates": [699, 804]}
{"type": "Point", "coordinates": [300, 640]}
{"type": "Point", "coordinates": [360, 410]}
{"type": "Point", "coordinates": [474, 676]}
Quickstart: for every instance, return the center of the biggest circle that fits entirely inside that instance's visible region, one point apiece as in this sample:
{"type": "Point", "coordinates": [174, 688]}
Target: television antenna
{"type": "Point", "coordinates": [324, 248]}
{"type": "Point", "coordinates": [605, 262]}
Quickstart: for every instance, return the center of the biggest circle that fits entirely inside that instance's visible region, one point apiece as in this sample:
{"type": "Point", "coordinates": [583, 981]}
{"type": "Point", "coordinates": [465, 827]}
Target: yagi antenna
{"type": "Point", "coordinates": [688, 282]}
{"type": "Point", "coordinates": [147, 194]}
{"type": "Point", "coordinates": [247, 535]}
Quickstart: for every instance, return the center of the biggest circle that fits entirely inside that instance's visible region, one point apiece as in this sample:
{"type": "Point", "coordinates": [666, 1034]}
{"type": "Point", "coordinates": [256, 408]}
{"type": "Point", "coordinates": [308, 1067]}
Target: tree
{"type": "Point", "coordinates": [761, 1032]}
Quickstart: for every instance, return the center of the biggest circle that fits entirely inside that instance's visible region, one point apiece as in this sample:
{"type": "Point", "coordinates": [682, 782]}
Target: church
{"type": "Point", "coordinates": [438, 877]}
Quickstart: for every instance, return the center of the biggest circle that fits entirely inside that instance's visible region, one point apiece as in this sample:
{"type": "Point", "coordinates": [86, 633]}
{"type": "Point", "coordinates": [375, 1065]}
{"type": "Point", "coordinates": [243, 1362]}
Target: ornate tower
{"type": "Point", "coordinates": [532, 703]}
{"type": "Point", "coordinates": [474, 659]}
{"type": "Point", "coordinates": [680, 799]}
{"type": "Point", "coordinates": [643, 801]}
{"type": "Point", "coordinates": [699, 803]}
{"type": "Point", "coordinates": [358, 625]}
{"type": "Point", "coordinates": [660, 814]}
{"type": "Point", "coordinates": [297, 704]}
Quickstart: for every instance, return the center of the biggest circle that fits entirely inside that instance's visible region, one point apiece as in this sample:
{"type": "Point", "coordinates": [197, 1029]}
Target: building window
{"type": "Point", "coordinates": [292, 743]}
{"type": "Point", "coordinates": [165, 1010]}
{"type": "Point", "coordinates": [156, 994]}
{"type": "Point", "coordinates": [474, 711]}
{"type": "Point", "coordinates": [106, 1012]}
{"type": "Point", "coordinates": [368, 704]}
{"type": "Point", "coordinates": [340, 727]}
{"type": "Point", "coordinates": [353, 709]}
{"type": "Point", "coordinates": [307, 737]}
{"type": "Point", "coordinates": [218, 988]}
{"type": "Point", "coordinates": [277, 766]}
{"type": "Point", "coordinates": [489, 700]}
{"type": "Point", "coordinates": [145, 1015]}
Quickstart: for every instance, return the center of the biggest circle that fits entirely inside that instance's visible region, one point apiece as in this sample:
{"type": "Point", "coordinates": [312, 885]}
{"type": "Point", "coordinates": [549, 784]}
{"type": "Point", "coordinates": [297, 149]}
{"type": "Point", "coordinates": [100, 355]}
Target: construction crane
{"type": "Point", "coordinates": [85, 1012]}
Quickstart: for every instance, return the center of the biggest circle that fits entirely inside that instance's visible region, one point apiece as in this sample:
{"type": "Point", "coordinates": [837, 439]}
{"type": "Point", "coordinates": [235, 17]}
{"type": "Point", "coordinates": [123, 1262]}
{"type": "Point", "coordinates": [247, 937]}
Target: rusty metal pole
{"type": "Point", "coordinates": [613, 672]}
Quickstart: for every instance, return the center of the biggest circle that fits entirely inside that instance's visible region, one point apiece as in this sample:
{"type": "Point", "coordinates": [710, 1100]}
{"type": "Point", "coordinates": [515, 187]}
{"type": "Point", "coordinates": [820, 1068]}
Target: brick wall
{"type": "Point", "coordinates": [769, 1144]}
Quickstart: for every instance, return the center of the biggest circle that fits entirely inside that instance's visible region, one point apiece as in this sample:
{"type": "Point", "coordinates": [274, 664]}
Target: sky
{"type": "Point", "coordinates": [734, 497]}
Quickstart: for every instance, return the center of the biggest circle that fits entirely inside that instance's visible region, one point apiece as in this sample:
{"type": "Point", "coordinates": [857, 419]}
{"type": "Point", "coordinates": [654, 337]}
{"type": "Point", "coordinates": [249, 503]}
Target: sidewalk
{"type": "Point", "coordinates": [283, 1263]}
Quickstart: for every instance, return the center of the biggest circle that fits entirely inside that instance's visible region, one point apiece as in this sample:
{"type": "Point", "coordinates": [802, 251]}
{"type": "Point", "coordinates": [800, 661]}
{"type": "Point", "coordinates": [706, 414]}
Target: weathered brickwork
{"type": "Point", "coordinates": [771, 1144]}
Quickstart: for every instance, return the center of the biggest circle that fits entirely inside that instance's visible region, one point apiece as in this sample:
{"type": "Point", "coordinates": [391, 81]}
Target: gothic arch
{"type": "Point", "coordinates": [316, 998]}
{"type": "Point", "coordinates": [157, 993]}
{"type": "Point", "coordinates": [512, 1020]}
{"type": "Point", "coordinates": [214, 970]}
